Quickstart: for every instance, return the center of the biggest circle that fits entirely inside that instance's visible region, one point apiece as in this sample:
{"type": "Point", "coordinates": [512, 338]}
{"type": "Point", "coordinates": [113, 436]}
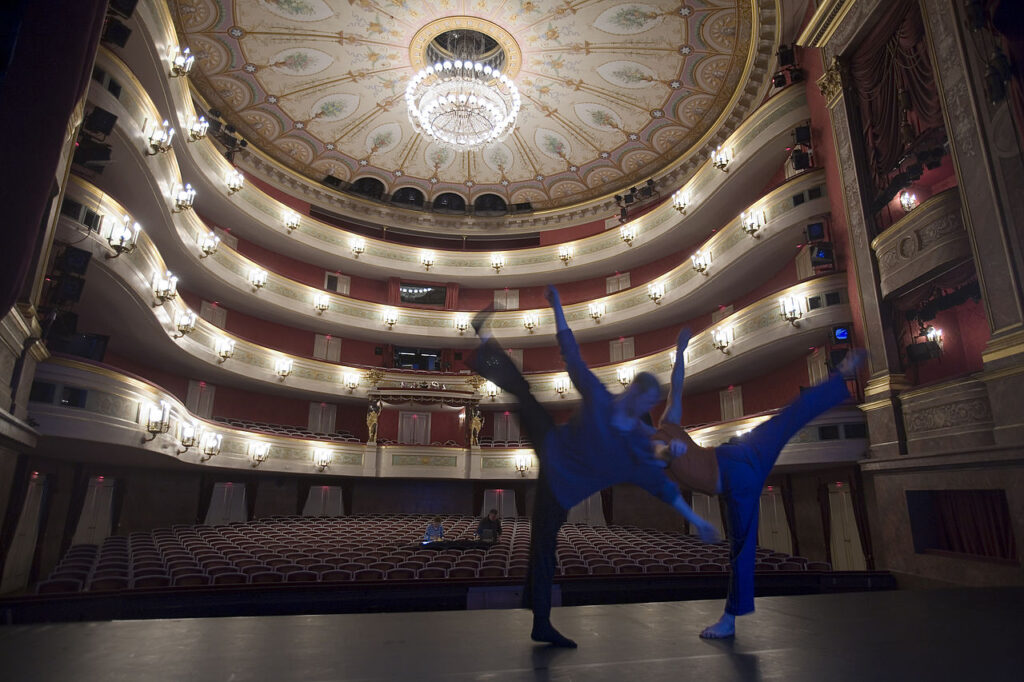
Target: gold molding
{"type": "Point", "coordinates": [826, 19]}
{"type": "Point", "coordinates": [887, 383]}
{"type": "Point", "coordinates": [832, 82]}
{"type": "Point", "coordinates": [420, 41]}
{"type": "Point", "coordinates": [1005, 346]}
{"type": "Point", "coordinates": [934, 206]}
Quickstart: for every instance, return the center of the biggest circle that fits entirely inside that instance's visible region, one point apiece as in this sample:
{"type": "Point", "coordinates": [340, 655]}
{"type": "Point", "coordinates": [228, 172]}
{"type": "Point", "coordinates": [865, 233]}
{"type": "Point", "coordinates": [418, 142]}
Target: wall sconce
{"type": "Point", "coordinates": [257, 278]}
{"type": "Point", "coordinates": [321, 302]}
{"type": "Point", "coordinates": [188, 435]}
{"type": "Point", "coordinates": [672, 355]}
{"type": "Point", "coordinates": [181, 60]}
{"type": "Point", "coordinates": [258, 452]}
{"type": "Point", "coordinates": [158, 420]}
{"type": "Point", "coordinates": [562, 385]}
{"type": "Point", "coordinates": [184, 197]}
{"type": "Point", "coordinates": [752, 222]}
{"type": "Point", "coordinates": [934, 335]}
{"type": "Point", "coordinates": [282, 367]}
{"type": "Point", "coordinates": [209, 245]}
{"type": "Point", "coordinates": [291, 220]}
{"type": "Point", "coordinates": [625, 375]}
{"type": "Point", "coordinates": [235, 181]}
{"type": "Point", "coordinates": [681, 201]}
{"type": "Point", "coordinates": [225, 348]}
{"type": "Point", "coordinates": [530, 321]}
{"type": "Point", "coordinates": [720, 158]}
{"type": "Point", "coordinates": [656, 291]}
{"type": "Point", "coordinates": [721, 338]}
{"type": "Point", "coordinates": [427, 259]}
{"type": "Point", "coordinates": [908, 201]}
{"type": "Point", "coordinates": [210, 444]}
{"type": "Point", "coordinates": [185, 322]}
{"type": "Point", "coordinates": [197, 128]}
{"type": "Point", "coordinates": [597, 310]}
{"type": "Point", "coordinates": [358, 246]}
{"type": "Point", "coordinates": [491, 389]}
{"type": "Point", "coordinates": [351, 381]}
{"type": "Point", "coordinates": [522, 463]}
{"type": "Point", "coordinates": [322, 457]}
{"type": "Point", "coordinates": [565, 254]}
{"type": "Point", "coordinates": [790, 310]}
{"type": "Point", "coordinates": [165, 287]}
{"type": "Point", "coordinates": [123, 237]}
{"type": "Point", "coordinates": [701, 261]}
{"type": "Point", "coordinates": [390, 317]}
{"type": "Point", "coordinates": [627, 233]}
{"type": "Point", "coordinates": [159, 138]}
{"type": "Point", "coordinates": [497, 261]}
{"type": "Point", "coordinates": [462, 323]}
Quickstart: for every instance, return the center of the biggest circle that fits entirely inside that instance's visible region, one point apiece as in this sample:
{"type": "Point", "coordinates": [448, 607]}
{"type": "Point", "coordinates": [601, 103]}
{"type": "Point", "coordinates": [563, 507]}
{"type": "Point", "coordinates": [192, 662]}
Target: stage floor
{"type": "Point", "coordinates": [963, 635]}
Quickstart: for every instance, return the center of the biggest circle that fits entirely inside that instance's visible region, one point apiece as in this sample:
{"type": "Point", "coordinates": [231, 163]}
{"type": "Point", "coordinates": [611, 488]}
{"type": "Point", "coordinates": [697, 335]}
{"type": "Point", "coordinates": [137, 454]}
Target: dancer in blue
{"type": "Point", "coordinates": [603, 444]}
{"type": "Point", "coordinates": [738, 469]}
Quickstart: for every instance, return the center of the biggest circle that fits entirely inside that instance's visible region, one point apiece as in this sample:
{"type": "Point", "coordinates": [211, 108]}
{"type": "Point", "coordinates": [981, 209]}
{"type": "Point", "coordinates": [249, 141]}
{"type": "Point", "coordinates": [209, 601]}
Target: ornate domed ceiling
{"type": "Point", "coordinates": [612, 92]}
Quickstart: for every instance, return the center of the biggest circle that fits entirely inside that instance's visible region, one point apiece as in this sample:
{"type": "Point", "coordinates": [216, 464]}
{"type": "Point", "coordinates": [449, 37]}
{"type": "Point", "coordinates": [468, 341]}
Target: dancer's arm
{"type": "Point", "coordinates": [707, 532]}
{"type": "Point", "coordinates": [674, 406]}
{"type": "Point", "coordinates": [582, 378]}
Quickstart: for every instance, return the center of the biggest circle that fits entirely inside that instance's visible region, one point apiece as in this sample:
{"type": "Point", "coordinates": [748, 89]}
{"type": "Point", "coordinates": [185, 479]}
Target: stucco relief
{"type": "Point", "coordinates": [960, 413]}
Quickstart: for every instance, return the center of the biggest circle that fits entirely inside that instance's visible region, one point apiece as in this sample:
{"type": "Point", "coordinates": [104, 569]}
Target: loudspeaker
{"type": "Point", "coordinates": [116, 33]}
{"type": "Point", "coordinates": [927, 350]}
{"type": "Point", "coordinates": [801, 159]}
{"type": "Point", "coordinates": [815, 232]}
{"type": "Point", "coordinates": [779, 80]}
{"type": "Point", "coordinates": [68, 290]}
{"type": "Point", "coordinates": [100, 121]}
{"type": "Point", "coordinates": [73, 261]}
{"type": "Point", "coordinates": [802, 135]}
{"type": "Point", "coordinates": [123, 7]}
{"type": "Point", "coordinates": [821, 254]}
{"type": "Point", "coordinates": [64, 324]}
{"type": "Point", "coordinates": [786, 56]}
{"type": "Point", "coordinates": [90, 154]}
{"type": "Point", "coordinates": [332, 181]}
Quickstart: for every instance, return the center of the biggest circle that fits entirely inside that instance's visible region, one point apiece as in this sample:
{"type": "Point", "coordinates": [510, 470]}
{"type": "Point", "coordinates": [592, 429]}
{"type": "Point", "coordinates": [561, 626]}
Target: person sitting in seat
{"type": "Point", "coordinates": [489, 529]}
{"type": "Point", "coordinates": [435, 531]}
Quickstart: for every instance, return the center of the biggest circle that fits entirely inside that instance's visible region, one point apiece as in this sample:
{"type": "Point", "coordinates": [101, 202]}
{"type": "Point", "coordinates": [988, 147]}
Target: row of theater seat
{"type": "Point", "coordinates": [285, 430]}
{"type": "Point", "coordinates": [374, 548]}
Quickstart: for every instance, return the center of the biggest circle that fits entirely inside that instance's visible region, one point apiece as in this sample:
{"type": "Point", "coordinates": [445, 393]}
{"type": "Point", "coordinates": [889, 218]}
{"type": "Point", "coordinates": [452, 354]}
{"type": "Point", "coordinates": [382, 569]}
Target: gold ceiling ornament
{"type": "Point", "coordinates": [423, 37]}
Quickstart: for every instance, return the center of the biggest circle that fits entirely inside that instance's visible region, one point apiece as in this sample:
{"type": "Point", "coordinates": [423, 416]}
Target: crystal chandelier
{"type": "Point", "coordinates": [463, 100]}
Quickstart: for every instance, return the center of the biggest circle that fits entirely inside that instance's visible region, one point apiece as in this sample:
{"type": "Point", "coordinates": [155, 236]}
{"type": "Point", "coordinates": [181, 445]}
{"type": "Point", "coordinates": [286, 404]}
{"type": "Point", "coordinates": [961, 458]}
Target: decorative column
{"type": "Point", "coordinates": [986, 152]}
{"type": "Point", "coordinates": [881, 405]}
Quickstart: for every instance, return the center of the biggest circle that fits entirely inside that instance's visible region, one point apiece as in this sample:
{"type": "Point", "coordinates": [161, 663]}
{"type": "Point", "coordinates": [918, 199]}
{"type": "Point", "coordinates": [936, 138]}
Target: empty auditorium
{"type": "Point", "coordinates": [512, 340]}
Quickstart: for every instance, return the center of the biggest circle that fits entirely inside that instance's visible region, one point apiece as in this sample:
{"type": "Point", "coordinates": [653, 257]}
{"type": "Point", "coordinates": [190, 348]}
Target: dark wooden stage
{"type": "Point", "coordinates": [966, 635]}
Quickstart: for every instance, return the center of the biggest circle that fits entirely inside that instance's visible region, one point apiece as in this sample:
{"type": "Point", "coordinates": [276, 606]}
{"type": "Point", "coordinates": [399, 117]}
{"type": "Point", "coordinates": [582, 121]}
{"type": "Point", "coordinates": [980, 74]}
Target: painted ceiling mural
{"type": "Point", "coordinates": [612, 91]}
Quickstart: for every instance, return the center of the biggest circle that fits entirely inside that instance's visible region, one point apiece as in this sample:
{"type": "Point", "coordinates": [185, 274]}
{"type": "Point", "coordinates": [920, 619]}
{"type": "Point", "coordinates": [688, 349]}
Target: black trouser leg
{"type": "Point", "coordinates": [548, 517]}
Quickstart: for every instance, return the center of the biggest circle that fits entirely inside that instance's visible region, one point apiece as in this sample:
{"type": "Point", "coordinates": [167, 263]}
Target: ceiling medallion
{"type": "Point", "coordinates": [462, 99]}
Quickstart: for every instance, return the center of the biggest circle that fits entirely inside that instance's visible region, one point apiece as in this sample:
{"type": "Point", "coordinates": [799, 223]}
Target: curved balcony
{"type": "Point", "coordinates": [112, 419]}
{"type": "Point", "coordinates": [157, 24]}
{"type": "Point", "coordinates": [732, 253]}
{"type": "Point", "coordinates": [928, 240]}
{"type": "Point", "coordinates": [758, 146]}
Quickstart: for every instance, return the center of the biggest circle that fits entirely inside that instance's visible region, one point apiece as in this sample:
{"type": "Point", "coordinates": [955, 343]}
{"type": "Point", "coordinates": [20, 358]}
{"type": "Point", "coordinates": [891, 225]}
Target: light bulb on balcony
{"type": "Point", "coordinates": [181, 60]}
{"type": "Point", "coordinates": [158, 419]}
{"type": "Point", "coordinates": [210, 444]}
{"type": "Point", "coordinates": [390, 317]}
{"type": "Point", "coordinates": [123, 236]}
{"type": "Point", "coordinates": [497, 261]}
{"type": "Point", "coordinates": [322, 458]}
{"type": "Point", "coordinates": [427, 259]}
{"type": "Point", "coordinates": [908, 201]}
{"type": "Point", "coordinates": [225, 348]}
{"type": "Point", "coordinates": [491, 389]}
{"type": "Point", "coordinates": [672, 355]}
{"type": "Point", "coordinates": [358, 246]}
{"type": "Point", "coordinates": [462, 322]}
{"type": "Point", "coordinates": [282, 367]}
{"type": "Point", "coordinates": [522, 463]}
{"type": "Point", "coordinates": [189, 435]}
{"type": "Point", "coordinates": [321, 302]}
{"type": "Point", "coordinates": [700, 262]}
{"type": "Point", "coordinates": [933, 334]}
{"type": "Point", "coordinates": [235, 180]}
{"type": "Point", "coordinates": [530, 321]}
{"type": "Point", "coordinates": [565, 254]}
{"type": "Point", "coordinates": [351, 381]}
{"type": "Point", "coordinates": [165, 287]}
{"type": "Point", "coordinates": [752, 222]}
{"type": "Point", "coordinates": [625, 375]}
{"type": "Point", "coordinates": [597, 310]}
{"type": "Point", "coordinates": [197, 128]}
{"type": "Point", "coordinates": [721, 157]}
{"type": "Point", "coordinates": [185, 322]}
{"type": "Point", "coordinates": [721, 338]}
{"type": "Point", "coordinates": [257, 278]}
{"type": "Point", "coordinates": [291, 220]}
{"type": "Point", "coordinates": [562, 385]}
{"type": "Point", "coordinates": [789, 309]}
{"type": "Point", "coordinates": [681, 201]}
{"type": "Point", "coordinates": [656, 291]}
{"type": "Point", "coordinates": [258, 452]}
{"type": "Point", "coordinates": [159, 137]}
{"type": "Point", "coordinates": [627, 233]}
{"type": "Point", "coordinates": [209, 244]}
{"type": "Point", "coordinates": [184, 196]}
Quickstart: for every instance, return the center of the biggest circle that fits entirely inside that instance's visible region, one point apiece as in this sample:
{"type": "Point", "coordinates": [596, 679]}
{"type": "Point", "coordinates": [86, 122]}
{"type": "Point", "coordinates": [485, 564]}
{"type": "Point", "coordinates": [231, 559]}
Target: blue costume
{"type": "Point", "coordinates": [577, 459]}
{"type": "Point", "coordinates": [744, 464]}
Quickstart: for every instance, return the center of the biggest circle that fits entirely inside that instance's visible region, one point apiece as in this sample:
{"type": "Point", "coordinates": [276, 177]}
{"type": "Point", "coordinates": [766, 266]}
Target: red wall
{"type": "Point", "coordinates": [775, 388]}
{"type": "Point", "coordinates": [271, 334]}
{"type": "Point", "coordinates": [280, 264]}
{"type": "Point", "coordinates": [175, 384]}
{"type": "Point", "coordinates": [298, 205]}
{"type": "Point", "coordinates": [260, 407]}
{"type": "Point", "coordinates": [965, 332]}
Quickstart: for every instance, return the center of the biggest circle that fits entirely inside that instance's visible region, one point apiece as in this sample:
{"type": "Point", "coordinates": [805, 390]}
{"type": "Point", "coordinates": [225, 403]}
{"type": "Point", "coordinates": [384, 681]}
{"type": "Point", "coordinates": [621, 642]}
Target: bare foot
{"type": "Point", "coordinates": [724, 628]}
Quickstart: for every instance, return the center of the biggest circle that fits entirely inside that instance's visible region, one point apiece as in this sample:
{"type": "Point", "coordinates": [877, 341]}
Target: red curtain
{"type": "Point", "coordinates": [393, 296]}
{"type": "Point", "coordinates": [974, 522]}
{"type": "Point", "coordinates": [451, 296]}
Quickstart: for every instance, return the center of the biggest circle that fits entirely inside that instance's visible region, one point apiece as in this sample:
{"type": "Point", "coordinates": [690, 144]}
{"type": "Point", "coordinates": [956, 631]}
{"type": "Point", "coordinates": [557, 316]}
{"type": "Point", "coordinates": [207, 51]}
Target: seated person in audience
{"type": "Point", "coordinates": [603, 444]}
{"type": "Point", "coordinates": [737, 470]}
{"type": "Point", "coordinates": [489, 529]}
{"type": "Point", "coordinates": [435, 531]}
